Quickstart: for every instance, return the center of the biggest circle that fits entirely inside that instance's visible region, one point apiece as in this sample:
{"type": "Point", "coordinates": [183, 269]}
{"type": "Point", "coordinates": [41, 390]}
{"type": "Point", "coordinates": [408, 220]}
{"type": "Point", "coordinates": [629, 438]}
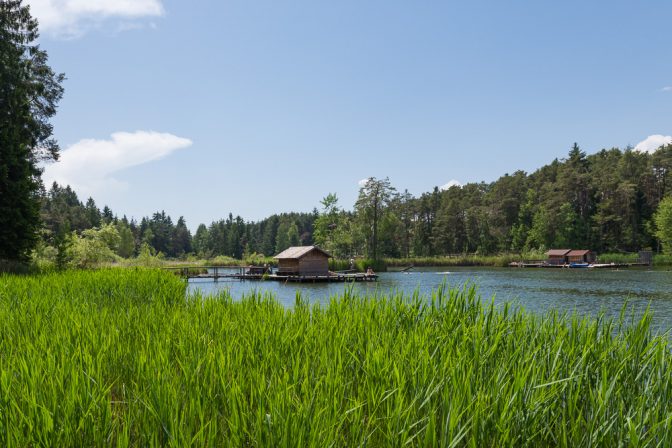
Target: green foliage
{"type": "Point", "coordinates": [158, 233]}
{"type": "Point", "coordinates": [293, 235]}
{"type": "Point", "coordinates": [29, 92]}
{"type": "Point", "coordinates": [123, 358]}
{"type": "Point", "coordinates": [148, 258]}
{"type": "Point", "coordinates": [94, 247]}
{"type": "Point", "coordinates": [282, 240]}
{"type": "Point", "coordinates": [126, 246]}
{"type": "Point", "coordinates": [618, 258]}
{"type": "Point", "coordinates": [363, 264]}
{"type": "Point", "coordinates": [339, 264]}
{"type": "Point", "coordinates": [542, 232]}
{"type": "Point", "coordinates": [334, 229]}
{"type": "Point", "coordinates": [200, 241]}
{"type": "Point", "coordinates": [107, 233]}
{"type": "Point", "coordinates": [604, 201]}
{"type": "Point", "coordinates": [256, 259]}
{"type": "Point", "coordinates": [181, 239]}
{"type": "Point", "coordinates": [374, 198]}
{"type": "Point", "coordinates": [601, 201]}
{"type": "Point", "coordinates": [662, 260]}
{"type": "Point", "coordinates": [360, 264]}
{"type": "Point", "coordinates": [223, 260]}
{"type": "Point", "coordinates": [465, 260]}
{"type": "Point", "coordinates": [45, 258]}
{"type": "Point", "coordinates": [663, 221]}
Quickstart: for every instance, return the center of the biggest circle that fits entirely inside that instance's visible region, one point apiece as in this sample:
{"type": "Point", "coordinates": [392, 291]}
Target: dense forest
{"type": "Point", "coordinates": [611, 201]}
{"type": "Point", "coordinates": [604, 201]}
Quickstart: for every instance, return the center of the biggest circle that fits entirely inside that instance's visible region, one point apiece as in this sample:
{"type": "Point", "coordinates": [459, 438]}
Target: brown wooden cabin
{"type": "Point", "coordinates": [308, 261]}
{"type": "Point", "coordinates": [581, 256]}
{"type": "Point", "coordinates": [557, 256]}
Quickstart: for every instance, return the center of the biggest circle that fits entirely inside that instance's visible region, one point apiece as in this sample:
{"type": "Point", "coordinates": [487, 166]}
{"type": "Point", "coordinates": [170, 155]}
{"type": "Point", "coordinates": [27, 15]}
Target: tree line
{"type": "Point", "coordinates": [611, 201]}
{"type": "Point", "coordinates": [81, 233]}
{"type": "Point", "coordinates": [607, 202]}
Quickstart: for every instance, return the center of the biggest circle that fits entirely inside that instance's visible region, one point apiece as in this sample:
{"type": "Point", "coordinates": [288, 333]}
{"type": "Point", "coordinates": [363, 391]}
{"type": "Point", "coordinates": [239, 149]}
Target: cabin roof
{"type": "Point", "coordinates": [558, 252]}
{"type": "Point", "coordinates": [297, 252]}
{"type": "Point", "coordinates": [578, 252]}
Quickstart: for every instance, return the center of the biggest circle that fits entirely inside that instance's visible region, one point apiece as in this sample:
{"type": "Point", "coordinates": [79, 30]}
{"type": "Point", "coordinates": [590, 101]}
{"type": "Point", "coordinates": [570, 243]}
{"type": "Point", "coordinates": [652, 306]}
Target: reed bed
{"type": "Point", "coordinates": [121, 358]}
{"type": "Point", "coordinates": [660, 260]}
{"type": "Point", "coordinates": [360, 264]}
{"type": "Point", "coordinates": [462, 260]}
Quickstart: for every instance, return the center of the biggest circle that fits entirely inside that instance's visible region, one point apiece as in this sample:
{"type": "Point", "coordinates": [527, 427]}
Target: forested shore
{"type": "Point", "coordinates": [607, 202]}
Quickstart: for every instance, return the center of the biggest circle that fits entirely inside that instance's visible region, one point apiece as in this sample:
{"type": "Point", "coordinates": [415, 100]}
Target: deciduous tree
{"type": "Point", "coordinates": [663, 220]}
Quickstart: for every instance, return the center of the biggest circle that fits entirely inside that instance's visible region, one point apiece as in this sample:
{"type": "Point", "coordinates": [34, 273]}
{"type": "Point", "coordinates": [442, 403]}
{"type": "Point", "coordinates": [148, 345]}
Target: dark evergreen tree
{"type": "Point", "coordinates": [200, 241]}
{"type": "Point", "coordinates": [161, 227]}
{"type": "Point", "coordinates": [107, 215]}
{"type": "Point", "coordinates": [181, 239]}
{"type": "Point", "coordinates": [93, 213]}
{"type": "Point", "coordinates": [29, 93]}
{"type": "Point", "coordinates": [269, 232]}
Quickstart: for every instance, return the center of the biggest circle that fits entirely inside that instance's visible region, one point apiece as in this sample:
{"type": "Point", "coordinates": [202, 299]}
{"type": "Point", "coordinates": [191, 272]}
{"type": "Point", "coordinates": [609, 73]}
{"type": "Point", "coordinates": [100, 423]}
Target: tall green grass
{"type": "Point", "coordinates": [121, 358]}
{"type": "Point", "coordinates": [461, 260]}
{"type": "Point", "coordinates": [361, 264]}
{"type": "Point", "coordinates": [658, 259]}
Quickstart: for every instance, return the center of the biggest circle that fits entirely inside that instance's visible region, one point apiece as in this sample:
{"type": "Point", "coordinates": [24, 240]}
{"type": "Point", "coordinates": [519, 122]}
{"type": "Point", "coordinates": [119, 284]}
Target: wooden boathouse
{"type": "Point", "coordinates": [557, 257]}
{"type": "Point", "coordinates": [296, 264]}
{"type": "Point", "coordinates": [581, 256]}
{"type": "Point", "coordinates": [305, 261]}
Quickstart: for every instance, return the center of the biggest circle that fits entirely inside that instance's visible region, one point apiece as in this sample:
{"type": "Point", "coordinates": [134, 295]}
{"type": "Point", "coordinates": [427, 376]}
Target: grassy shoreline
{"type": "Point", "coordinates": [502, 260]}
{"type": "Point", "coordinates": [119, 357]}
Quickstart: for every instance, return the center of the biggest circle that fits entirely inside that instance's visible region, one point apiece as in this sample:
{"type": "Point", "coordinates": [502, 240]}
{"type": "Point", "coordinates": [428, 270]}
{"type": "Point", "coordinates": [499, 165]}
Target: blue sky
{"type": "Point", "coordinates": [202, 108]}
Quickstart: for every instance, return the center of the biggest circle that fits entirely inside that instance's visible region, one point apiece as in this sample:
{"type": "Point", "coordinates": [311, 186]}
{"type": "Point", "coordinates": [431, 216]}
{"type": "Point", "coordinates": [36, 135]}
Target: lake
{"type": "Point", "coordinates": [588, 291]}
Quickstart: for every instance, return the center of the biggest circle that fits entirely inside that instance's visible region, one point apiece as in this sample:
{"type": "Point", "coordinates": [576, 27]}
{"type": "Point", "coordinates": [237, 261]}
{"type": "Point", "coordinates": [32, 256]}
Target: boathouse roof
{"type": "Point", "coordinates": [297, 252]}
{"type": "Point", "coordinates": [558, 252]}
{"type": "Point", "coordinates": [578, 252]}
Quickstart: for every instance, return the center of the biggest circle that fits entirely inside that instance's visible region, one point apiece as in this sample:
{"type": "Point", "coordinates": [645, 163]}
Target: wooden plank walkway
{"type": "Point", "coordinates": [216, 273]}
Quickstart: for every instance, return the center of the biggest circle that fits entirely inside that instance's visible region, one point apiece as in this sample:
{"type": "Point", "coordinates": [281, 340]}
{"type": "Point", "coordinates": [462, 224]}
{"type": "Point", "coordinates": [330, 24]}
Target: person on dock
{"type": "Point", "coordinates": [369, 271]}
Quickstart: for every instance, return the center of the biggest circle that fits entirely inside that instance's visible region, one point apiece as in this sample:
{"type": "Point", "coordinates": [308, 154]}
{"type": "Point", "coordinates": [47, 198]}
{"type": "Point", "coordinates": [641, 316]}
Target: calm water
{"type": "Point", "coordinates": [537, 290]}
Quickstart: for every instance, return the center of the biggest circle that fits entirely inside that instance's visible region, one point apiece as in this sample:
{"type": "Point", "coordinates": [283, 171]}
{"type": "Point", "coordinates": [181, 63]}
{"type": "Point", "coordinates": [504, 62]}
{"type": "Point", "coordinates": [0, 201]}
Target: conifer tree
{"type": "Point", "coordinates": [29, 92]}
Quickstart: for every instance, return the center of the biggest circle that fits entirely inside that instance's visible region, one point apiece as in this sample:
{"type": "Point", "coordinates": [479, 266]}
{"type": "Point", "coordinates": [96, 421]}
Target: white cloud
{"type": "Point", "coordinates": [451, 183]}
{"type": "Point", "coordinates": [667, 89]}
{"type": "Point", "coordinates": [362, 183]}
{"type": "Point", "coordinates": [88, 165]}
{"type": "Point", "coordinates": [653, 142]}
{"type": "Point", "coordinates": [72, 18]}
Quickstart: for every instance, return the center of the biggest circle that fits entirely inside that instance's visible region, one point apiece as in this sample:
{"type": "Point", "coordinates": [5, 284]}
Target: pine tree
{"type": "Point", "coordinates": [29, 92]}
{"type": "Point", "coordinates": [374, 196]}
{"type": "Point", "coordinates": [182, 243]}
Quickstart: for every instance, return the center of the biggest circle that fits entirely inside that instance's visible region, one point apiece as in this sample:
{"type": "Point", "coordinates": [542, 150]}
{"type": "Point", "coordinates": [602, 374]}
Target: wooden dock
{"type": "Point", "coordinates": [216, 273]}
